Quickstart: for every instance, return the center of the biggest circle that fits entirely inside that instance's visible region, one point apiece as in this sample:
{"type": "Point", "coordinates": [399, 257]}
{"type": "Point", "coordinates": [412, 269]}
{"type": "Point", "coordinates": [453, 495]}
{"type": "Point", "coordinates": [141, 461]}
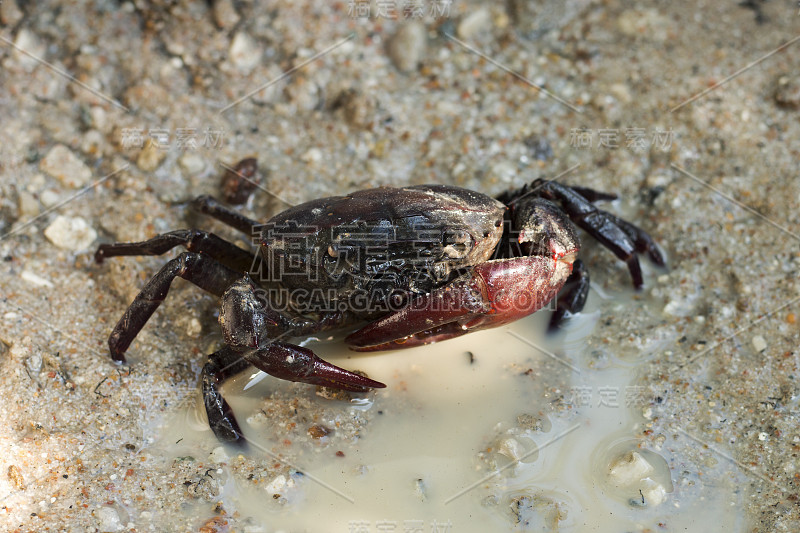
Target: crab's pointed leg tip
{"type": "Point", "coordinates": [328, 374]}
{"type": "Point", "coordinates": [239, 444]}
{"type": "Point", "coordinates": [657, 256]}
{"type": "Point", "coordinates": [377, 384]}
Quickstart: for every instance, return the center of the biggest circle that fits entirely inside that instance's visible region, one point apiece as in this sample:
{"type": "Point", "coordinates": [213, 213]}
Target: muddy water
{"type": "Point", "coordinates": [527, 433]}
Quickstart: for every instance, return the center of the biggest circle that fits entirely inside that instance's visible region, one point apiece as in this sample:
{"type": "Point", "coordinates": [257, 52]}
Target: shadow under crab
{"type": "Point", "coordinates": [418, 264]}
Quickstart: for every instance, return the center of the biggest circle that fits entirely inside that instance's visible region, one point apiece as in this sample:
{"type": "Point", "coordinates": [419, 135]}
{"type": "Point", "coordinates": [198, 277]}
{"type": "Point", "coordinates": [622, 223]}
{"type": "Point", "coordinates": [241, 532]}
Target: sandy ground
{"type": "Point", "coordinates": [115, 114]}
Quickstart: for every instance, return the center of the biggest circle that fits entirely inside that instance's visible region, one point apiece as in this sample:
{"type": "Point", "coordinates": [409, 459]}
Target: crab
{"type": "Point", "coordinates": [410, 266]}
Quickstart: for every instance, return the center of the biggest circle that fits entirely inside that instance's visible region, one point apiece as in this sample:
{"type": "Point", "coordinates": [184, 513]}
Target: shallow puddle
{"type": "Point", "coordinates": [500, 430]}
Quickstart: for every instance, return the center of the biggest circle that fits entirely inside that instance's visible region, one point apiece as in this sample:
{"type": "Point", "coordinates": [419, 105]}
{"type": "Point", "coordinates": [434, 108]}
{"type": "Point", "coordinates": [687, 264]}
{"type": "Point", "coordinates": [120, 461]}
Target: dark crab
{"type": "Point", "coordinates": [417, 264]}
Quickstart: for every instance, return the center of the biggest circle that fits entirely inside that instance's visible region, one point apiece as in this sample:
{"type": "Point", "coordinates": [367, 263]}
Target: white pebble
{"type": "Point", "coordinates": [629, 468]}
{"type": "Point", "coordinates": [312, 155]}
{"type": "Point", "coordinates": [191, 163]}
{"type": "Point", "coordinates": [194, 328]}
{"type": "Point", "coordinates": [10, 13]}
{"type": "Point", "coordinates": [66, 167]}
{"type": "Point", "coordinates": [218, 455]}
{"type": "Point", "coordinates": [225, 14]}
{"type": "Point", "coordinates": [511, 448]}
{"type": "Point", "coordinates": [275, 486]}
{"type": "Point", "coordinates": [109, 519]}
{"type": "Point", "coordinates": [151, 156]}
{"type": "Point", "coordinates": [653, 493]}
{"type": "Point", "coordinates": [407, 46]}
{"type": "Point", "coordinates": [28, 206]}
{"type": "Point", "coordinates": [70, 233]}
{"type": "Point", "coordinates": [759, 343]}
{"type": "Point", "coordinates": [49, 198]}
{"type": "Point", "coordinates": [30, 277]}
{"type": "Point", "coordinates": [244, 52]}
{"type": "Point", "coordinates": [474, 23]}
{"type": "Point", "coordinates": [28, 41]}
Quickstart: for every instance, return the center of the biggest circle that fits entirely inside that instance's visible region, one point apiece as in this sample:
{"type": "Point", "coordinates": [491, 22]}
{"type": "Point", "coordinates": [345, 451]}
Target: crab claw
{"type": "Point", "coordinates": [295, 363]}
{"type": "Point", "coordinates": [494, 293]}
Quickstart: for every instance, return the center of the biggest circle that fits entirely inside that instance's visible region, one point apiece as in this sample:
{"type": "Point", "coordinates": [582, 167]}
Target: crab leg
{"type": "Point", "coordinates": [642, 240]}
{"type": "Point", "coordinates": [295, 363]}
{"type": "Point", "coordinates": [621, 237]}
{"type": "Point", "coordinates": [193, 239]}
{"type": "Point", "coordinates": [220, 366]}
{"type": "Point", "coordinates": [199, 269]}
{"type": "Point", "coordinates": [211, 207]}
{"type": "Point", "coordinates": [572, 296]}
{"type": "Point", "coordinates": [493, 294]}
{"type": "Point", "coordinates": [282, 360]}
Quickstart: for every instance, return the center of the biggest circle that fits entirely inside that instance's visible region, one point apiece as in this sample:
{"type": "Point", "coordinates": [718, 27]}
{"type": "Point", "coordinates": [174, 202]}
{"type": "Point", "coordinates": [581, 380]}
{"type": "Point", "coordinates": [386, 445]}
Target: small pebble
{"type": "Point", "coordinates": [629, 468]}
{"type": "Point", "coordinates": [276, 485]}
{"type": "Point", "coordinates": [511, 448]}
{"type": "Point", "coordinates": [192, 163]}
{"type": "Point", "coordinates": [30, 42]}
{"type": "Point", "coordinates": [15, 476]}
{"type": "Point", "coordinates": [225, 15]}
{"type": "Point", "coordinates": [244, 52]}
{"type": "Point", "coordinates": [99, 119]}
{"type": "Point", "coordinates": [27, 204]}
{"type": "Point", "coordinates": [759, 343]}
{"type": "Point", "coordinates": [109, 519]}
{"type": "Point", "coordinates": [194, 328]}
{"type": "Point", "coordinates": [653, 493]}
{"type": "Point", "coordinates": [476, 22]}
{"type": "Point", "coordinates": [49, 198]}
{"type": "Point", "coordinates": [66, 167]}
{"type": "Point", "coordinates": [787, 92]}
{"type": "Point", "coordinates": [10, 13]}
{"type": "Point", "coordinates": [30, 277]}
{"type": "Point", "coordinates": [151, 156]}
{"type": "Point", "coordinates": [407, 46]}
{"type": "Point", "coordinates": [70, 233]}
{"type": "Point", "coordinates": [218, 455]}
{"type": "Point", "coordinates": [312, 155]}
{"type": "Point", "coordinates": [318, 431]}
{"type": "Point", "coordinates": [621, 92]}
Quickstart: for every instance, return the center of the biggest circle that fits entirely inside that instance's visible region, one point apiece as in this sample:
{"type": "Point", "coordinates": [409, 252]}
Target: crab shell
{"type": "Point", "coordinates": [384, 243]}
